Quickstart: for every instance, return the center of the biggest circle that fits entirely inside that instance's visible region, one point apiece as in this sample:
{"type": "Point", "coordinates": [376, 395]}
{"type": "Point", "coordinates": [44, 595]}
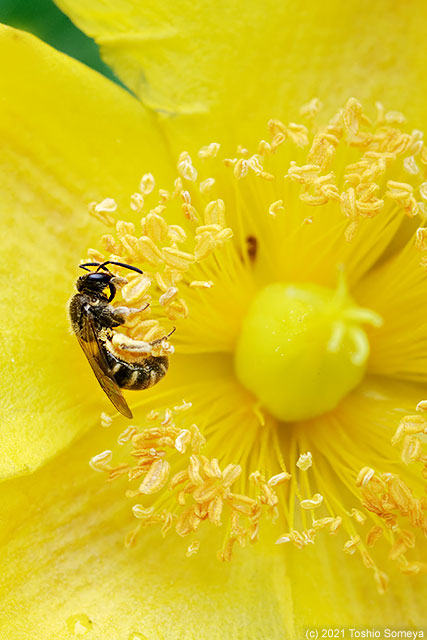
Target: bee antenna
{"type": "Point", "coordinates": [119, 264]}
{"type": "Point", "coordinates": [89, 264]}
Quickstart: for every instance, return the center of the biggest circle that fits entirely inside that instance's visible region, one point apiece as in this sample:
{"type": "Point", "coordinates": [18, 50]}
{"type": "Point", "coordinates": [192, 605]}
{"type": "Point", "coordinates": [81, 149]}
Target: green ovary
{"type": "Point", "coordinates": [302, 348]}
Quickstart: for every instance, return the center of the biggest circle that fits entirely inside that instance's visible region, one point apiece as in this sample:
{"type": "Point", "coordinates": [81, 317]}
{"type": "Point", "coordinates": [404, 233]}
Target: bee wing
{"type": "Point", "coordinates": [91, 348]}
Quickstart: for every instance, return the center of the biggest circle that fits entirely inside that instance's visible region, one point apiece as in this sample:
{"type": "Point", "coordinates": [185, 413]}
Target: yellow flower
{"type": "Point", "coordinates": [336, 236]}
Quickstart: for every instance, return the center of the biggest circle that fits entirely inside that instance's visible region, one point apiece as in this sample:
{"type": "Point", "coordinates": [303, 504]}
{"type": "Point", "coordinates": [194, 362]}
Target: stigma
{"type": "Point", "coordinates": [302, 348]}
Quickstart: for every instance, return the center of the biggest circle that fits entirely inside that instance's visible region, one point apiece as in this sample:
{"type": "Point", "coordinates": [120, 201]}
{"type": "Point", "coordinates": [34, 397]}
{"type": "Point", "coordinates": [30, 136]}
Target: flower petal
{"type": "Point", "coordinates": [341, 589]}
{"type": "Point", "coordinates": [68, 137]}
{"type": "Point", "coordinates": [246, 61]}
{"type": "Point", "coordinates": [363, 426]}
{"type": "Point", "coordinates": [331, 589]}
{"type": "Point", "coordinates": [397, 290]}
{"type": "Point", "coordinates": [65, 568]}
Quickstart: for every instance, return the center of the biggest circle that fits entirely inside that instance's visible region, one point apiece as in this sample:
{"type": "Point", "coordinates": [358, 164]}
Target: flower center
{"type": "Point", "coordinates": [230, 253]}
{"type": "Point", "coordinates": [302, 348]}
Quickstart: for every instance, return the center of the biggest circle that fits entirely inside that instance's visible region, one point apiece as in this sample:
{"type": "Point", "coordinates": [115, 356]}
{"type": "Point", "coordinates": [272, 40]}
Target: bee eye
{"type": "Point", "coordinates": [99, 277]}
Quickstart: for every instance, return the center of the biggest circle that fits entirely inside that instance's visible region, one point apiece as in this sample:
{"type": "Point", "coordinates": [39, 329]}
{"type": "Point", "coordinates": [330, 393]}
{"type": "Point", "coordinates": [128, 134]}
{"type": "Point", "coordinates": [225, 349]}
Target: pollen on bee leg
{"type": "Point", "coordinates": [129, 311]}
{"type": "Point", "coordinates": [122, 342]}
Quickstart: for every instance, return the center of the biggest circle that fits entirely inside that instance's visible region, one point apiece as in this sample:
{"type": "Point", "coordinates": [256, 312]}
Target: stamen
{"type": "Point", "coordinates": [101, 461]}
{"type": "Point", "coordinates": [189, 483]}
{"type": "Point", "coordinates": [206, 185]}
{"type": "Point", "coordinates": [276, 207]}
{"type": "Point", "coordinates": [186, 168]}
{"type": "Point", "coordinates": [313, 502]}
{"type": "Point", "coordinates": [106, 420]}
{"type": "Point", "coordinates": [102, 211]}
{"type": "Point", "coordinates": [108, 205]}
{"type": "Point", "coordinates": [210, 151]}
{"type": "Point", "coordinates": [147, 183]}
{"type": "Point", "coordinates": [137, 202]}
{"type": "Point", "coordinates": [305, 461]}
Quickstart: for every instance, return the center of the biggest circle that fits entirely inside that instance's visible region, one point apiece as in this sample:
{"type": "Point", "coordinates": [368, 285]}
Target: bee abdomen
{"type": "Point", "coordinates": [138, 376]}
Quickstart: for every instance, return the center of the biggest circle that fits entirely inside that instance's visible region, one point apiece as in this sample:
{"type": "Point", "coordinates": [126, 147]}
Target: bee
{"type": "Point", "coordinates": [93, 320]}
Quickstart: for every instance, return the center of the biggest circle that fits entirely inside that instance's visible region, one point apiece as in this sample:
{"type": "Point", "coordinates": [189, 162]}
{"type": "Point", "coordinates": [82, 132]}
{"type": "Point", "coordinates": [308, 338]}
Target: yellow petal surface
{"type": "Point", "coordinates": [68, 136]}
{"type": "Point", "coordinates": [65, 571]}
{"type": "Point", "coordinates": [398, 288]}
{"type": "Point", "coordinates": [331, 591]}
{"type": "Point", "coordinates": [329, 587]}
{"type": "Point", "coordinates": [246, 61]}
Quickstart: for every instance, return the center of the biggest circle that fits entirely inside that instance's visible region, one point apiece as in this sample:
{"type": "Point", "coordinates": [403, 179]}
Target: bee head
{"type": "Point", "coordinates": [97, 281]}
{"type": "Point", "coordinates": [94, 282]}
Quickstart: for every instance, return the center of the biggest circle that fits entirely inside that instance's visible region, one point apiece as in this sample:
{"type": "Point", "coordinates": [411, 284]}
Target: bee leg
{"type": "Point", "coordinates": [128, 311]}
{"type": "Point", "coordinates": [110, 317]}
{"type": "Point", "coordinates": [160, 340]}
{"type": "Point", "coordinates": [125, 343]}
